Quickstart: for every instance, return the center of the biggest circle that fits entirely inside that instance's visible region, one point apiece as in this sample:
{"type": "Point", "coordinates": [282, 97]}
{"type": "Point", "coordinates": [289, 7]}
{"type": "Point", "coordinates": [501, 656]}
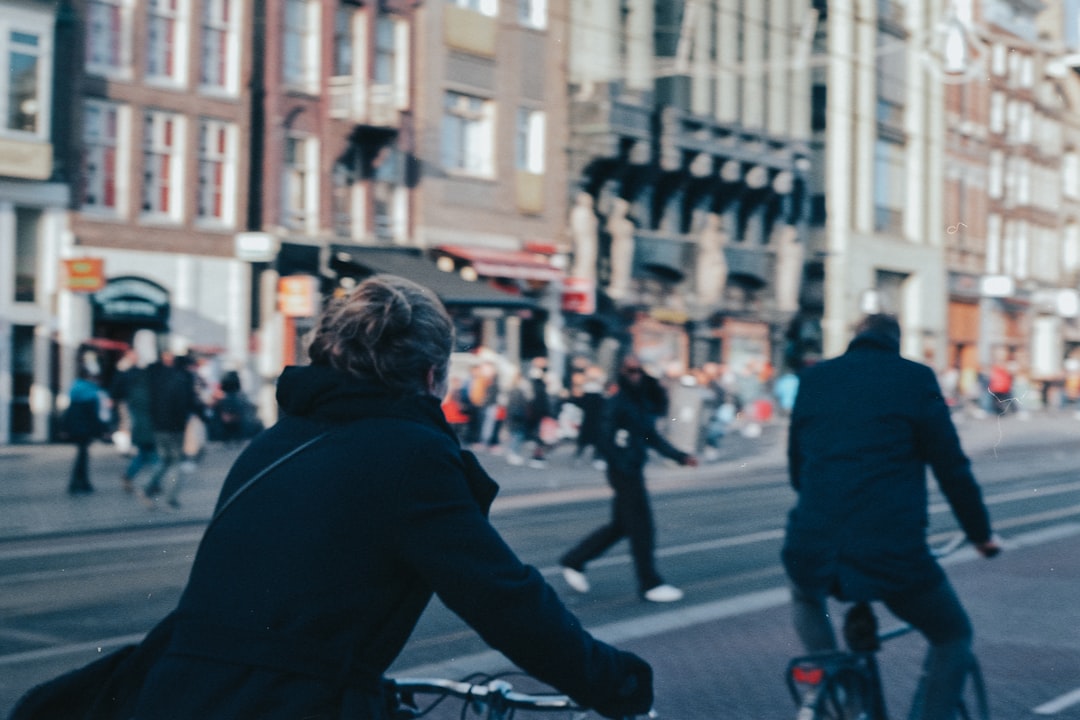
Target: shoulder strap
{"type": "Point", "coordinates": [259, 475]}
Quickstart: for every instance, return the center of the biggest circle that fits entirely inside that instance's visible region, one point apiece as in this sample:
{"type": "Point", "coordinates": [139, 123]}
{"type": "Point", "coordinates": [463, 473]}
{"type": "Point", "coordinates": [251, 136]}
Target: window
{"type": "Point", "coordinates": [165, 41]}
{"type": "Point", "coordinates": [217, 172]}
{"type": "Point", "coordinates": [533, 13]}
{"type": "Point", "coordinates": [468, 134]}
{"type": "Point", "coordinates": [385, 51]}
{"type": "Point", "coordinates": [343, 40]}
{"type": "Point", "coordinates": [993, 244]}
{"type": "Point", "coordinates": [220, 45]}
{"type": "Point", "coordinates": [995, 183]}
{"type": "Point", "coordinates": [298, 189]}
{"type": "Point", "coordinates": [25, 92]}
{"type": "Point", "coordinates": [889, 191]}
{"type": "Point", "coordinates": [1070, 168]}
{"type": "Point", "coordinates": [484, 7]}
{"type": "Point", "coordinates": [997, 112]}
{"type": "Point", "coordinates": [530, 141]}
{"type": "Point", "coordinates": [999, 59]}
{"type": "Point", "coordinates": [27, 231]}
{"type": "Point", "coordinates": [102, 169]}
{"type": "Point", "coordinates": [301, 44]}
{"type": "Point", "coordinates": [162, 164]}
{"type": "Point", "coordinates": [108, 36]}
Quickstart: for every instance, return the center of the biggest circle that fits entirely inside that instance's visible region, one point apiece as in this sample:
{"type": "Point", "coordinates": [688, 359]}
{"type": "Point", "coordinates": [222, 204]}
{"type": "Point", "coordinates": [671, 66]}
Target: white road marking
{"type": "Point", "coordinates": [1059, 703]}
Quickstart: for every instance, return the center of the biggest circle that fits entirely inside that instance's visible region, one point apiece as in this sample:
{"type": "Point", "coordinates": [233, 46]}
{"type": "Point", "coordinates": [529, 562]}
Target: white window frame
{"type": "Point", "coordinates": [174, 12]}
{"type": "Point", "coordinates": [529, 138]}
{"type": "Point", "coordinates": [994, 232]}
{"type": "Point", "coordinates": [533, 14]}
{"type": "Point", "coordinates": [489, 8]}
{"type": "Point", "coordinates": [162, 138]}
{"type": "Point", "coordinates": [471, 134]}
{"type": "Point", "coordinates": [220, 19]}
{"type": "Point", "coordinates": [222, 160]}
{"type": "Point", "coordinates": [115, 41]}
{"type": "Point", "coordinates": [300, 212]}
{"type": "Point", "coordinates": [300, 68]}
{"type": "Point", "coordinates": [96, 146]}
{"type": "Point", "coordinates": [16, 31]}
{"type": "Point", "coordinates": [1070, 175]}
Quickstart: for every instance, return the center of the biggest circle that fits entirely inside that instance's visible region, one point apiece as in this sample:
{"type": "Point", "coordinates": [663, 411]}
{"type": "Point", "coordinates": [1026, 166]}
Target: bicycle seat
{"type": "Point", "coordinates": [861, 628]}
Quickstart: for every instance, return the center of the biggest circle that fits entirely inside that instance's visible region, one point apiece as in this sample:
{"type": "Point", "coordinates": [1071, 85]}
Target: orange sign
{"type": "Point", "coordinates": [297, 295]}
{"type": "Point", "coordinates": [86, 275]}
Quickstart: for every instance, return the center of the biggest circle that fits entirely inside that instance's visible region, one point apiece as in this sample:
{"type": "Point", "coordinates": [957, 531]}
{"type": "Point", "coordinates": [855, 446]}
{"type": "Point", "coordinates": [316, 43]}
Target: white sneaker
{"type": "Point", "coordinates": [576, 580]}
{"type": "Point", "coordinates": [515, 459]}
{"type": "Point", "coordinates": [664, 593]}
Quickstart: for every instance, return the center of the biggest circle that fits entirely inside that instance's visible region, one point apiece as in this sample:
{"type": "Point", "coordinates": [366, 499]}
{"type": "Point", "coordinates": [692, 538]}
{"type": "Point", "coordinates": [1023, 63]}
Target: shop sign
{"type": "Point", "coordinates": [126, 299]}
{"type": "Point", "coordinates": [84, 275]}
{"type": "Point", "coordinates": [297, 295]}
{"type": "Point", "coordinates": [578, 295]}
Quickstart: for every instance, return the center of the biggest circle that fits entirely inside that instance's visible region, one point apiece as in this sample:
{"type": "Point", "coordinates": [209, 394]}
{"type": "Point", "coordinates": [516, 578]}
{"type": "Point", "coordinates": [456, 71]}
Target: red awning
{"type": "Point", "coordinates": [516, 264]}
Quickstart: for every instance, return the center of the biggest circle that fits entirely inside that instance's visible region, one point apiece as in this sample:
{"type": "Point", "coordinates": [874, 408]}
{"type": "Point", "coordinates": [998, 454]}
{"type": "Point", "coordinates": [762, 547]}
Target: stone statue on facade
{"type": "Point", "coordinates": [789, 267]}
{"type": "Point", "coordinates": [583, 231]}
{"type": "Point", "coordinates": [712, 268]}
{"type": "Point", "coordinates": [621, 229]}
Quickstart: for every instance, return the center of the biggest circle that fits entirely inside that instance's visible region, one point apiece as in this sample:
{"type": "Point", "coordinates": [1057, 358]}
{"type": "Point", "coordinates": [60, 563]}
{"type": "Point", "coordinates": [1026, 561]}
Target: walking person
{"type": "Point", "coordinates": [863, 430]}
{"type": "Point", "coordinates": [83, 423]}
{"type": "Point", "coordinates": [629, 429]}
{"type": "Point", "coordinates": [333, 533]}
{"type": "Point", "coordinates": [130, 392]}
{"type": "Point", "coordinates": [173, 400]}
{"type": "Point", "coordinates": [538, 412]}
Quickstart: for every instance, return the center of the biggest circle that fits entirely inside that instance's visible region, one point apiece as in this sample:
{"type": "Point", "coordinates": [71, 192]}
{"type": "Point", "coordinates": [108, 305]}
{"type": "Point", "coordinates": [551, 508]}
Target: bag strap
{"type": "Point", "coordinates": [262, 473]}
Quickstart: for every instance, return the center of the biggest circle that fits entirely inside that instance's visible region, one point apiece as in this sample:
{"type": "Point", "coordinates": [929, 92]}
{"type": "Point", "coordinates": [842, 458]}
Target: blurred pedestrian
{"type": "Point", "coordinates": [173, 401]}
{"type": "Point", "coordinates": [628, 431]}
{"type": "Point", "coordinates": [131, 394]}
{"type": "Point", "coordinates": [362, 505]}
{"type": "Point", "coordinates": [538, 418]}
{"type": "Point", "coordinates": [864, 428]}
{"type": "Point", "coordinates": [83, 423]}
{"type": "Point", "coordinates": [590, 398]}
{"type": "Point", "coordinates": [234, 412]}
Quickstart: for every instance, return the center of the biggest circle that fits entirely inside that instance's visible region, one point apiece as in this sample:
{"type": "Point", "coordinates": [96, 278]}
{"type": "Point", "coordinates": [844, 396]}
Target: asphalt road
{"type": "Point", "coordinates": [65, 594]}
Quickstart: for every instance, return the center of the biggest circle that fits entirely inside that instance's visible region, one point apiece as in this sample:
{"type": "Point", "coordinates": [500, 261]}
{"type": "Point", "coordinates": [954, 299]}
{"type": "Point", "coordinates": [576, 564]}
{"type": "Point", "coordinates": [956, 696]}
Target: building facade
{"type": "Point", "coordinates": [690, 129]}
{"type": "Point", "coordinates": [33, 219]}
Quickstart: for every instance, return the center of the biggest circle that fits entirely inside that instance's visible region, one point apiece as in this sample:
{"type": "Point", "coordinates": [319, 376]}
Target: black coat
{"type": "Point", "coordinates": [864, 428]}
{"type": "Point", "coordinates": [305, 591]}
{"type": "Point", "coordinates": [628, 427]}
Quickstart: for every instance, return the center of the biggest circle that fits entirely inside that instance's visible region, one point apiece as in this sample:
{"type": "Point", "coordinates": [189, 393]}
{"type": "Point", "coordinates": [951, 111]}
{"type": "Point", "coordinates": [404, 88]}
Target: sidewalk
{"type": "Point", "coordinates": [34, 502]}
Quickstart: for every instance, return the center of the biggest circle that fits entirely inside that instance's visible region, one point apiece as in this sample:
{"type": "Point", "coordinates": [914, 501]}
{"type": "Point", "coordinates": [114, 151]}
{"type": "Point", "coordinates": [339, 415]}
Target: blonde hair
{"type": "Point", "coordinates": [388, 330]}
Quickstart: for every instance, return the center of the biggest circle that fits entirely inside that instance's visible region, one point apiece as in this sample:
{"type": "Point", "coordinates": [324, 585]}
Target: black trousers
{"type": "Point", "coordinates": [631, 517]}
{"type": "Point", "coordinates": [80, 471]}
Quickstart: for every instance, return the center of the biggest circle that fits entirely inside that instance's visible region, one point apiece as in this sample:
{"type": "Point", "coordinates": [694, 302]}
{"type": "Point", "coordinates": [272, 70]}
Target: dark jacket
{"type": "Point", "coordinates": [308, 587]}
{"type": "Point", "coordinates": [172, 396]}
{"type": "Point", "coordinates": [863, 430]}
{"type": "Point", "coordinates": [628, 427]}
{"type": "Point", "coordinates": [82, 419]}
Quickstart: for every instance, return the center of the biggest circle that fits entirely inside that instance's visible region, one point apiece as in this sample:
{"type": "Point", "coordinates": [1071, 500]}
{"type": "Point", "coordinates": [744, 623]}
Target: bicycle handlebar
{"type": "Point", "coordinates": [497, 695]}
{"type": "Point", "coordinates": [496, 692]}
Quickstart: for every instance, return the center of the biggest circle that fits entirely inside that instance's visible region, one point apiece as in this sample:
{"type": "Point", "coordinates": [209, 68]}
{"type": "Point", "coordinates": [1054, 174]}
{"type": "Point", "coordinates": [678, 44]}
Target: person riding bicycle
{"type": "Point", "coordinates": [306, 590]}
{"type": "Point", "coordinates": [864, 427]}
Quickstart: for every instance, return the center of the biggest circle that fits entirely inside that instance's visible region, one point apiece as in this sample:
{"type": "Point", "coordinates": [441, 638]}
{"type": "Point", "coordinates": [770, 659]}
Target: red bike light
{"type": "Point", "coordinates": [807, 675]}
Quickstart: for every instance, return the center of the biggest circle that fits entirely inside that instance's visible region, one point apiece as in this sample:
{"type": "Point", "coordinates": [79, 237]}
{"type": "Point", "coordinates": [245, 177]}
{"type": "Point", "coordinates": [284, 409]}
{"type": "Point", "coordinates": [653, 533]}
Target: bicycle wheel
{"type": "Point", "coordinates": [846, 696]}
{"type": "Point", "coordinates": [973, 703]}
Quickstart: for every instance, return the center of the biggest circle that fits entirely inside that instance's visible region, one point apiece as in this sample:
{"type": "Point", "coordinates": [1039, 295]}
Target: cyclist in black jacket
{"type": "Point", "coordinates": [864, 428]}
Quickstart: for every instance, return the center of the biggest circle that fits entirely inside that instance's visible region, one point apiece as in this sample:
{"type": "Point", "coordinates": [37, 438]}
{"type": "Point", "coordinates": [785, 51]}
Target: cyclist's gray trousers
{"type": "Point", "coordinates": [936, 613]}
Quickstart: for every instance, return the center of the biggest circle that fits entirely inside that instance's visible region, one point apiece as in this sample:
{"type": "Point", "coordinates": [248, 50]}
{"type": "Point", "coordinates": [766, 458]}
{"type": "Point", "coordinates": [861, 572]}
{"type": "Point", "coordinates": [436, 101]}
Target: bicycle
{"type": "Point", "coordinates": [846, 684]}
{"type": "Point", "coordinates": [494, 698]}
